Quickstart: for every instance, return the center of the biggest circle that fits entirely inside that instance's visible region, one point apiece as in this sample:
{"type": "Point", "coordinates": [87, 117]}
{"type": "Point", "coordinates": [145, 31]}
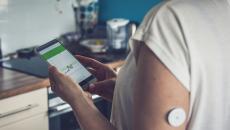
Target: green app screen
{"type": "Point", "coordinates": [59, 57]}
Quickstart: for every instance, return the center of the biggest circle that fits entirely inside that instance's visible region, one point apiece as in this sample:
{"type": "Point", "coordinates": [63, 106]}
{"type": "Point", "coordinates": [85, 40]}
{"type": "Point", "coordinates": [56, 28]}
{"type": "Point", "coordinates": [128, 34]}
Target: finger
{"type": "Point", "coordinates": [51, 77]}
{"type": "Point", "coordinates": [95, 73]}
{"type": "Point", "coordinates": [53, 88]}
{"type": "Point", "coordinates": [99, 87]}
{"type": "Point", "coordinates": [51, 68]}
{"type": "Point", "coordinates": [92, 71]}
{"type": "Point", "coordinates": [52, 83]}
{"type": "Point", "coordinates": [89, 62]}
{"type": "Point", "coordinates": [51, 74]}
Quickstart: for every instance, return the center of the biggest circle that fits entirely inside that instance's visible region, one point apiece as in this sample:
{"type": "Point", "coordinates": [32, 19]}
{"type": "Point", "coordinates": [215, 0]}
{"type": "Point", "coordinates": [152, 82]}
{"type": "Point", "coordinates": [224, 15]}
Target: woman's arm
{"type": "Point", "coordinates": [156, 92]}
{"type": "Point", "coordinates": [88, 116]}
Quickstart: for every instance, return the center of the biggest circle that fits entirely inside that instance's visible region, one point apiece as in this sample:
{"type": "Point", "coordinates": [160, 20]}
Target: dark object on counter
{"type": "Point", "coordinates": [26, 53]}
{"type": "Point", "coordinates": [34, 66]}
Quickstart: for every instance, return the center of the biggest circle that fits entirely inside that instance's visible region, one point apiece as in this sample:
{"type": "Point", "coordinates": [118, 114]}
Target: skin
{"type": "Point", "coordinates": [156, 92]}
{"type": "Point", "coordinates": [105, 75]}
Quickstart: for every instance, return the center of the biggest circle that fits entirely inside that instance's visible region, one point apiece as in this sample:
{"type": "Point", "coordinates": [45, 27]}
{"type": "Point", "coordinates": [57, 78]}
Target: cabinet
{"type": "Point", "coordinates": [25, 112]}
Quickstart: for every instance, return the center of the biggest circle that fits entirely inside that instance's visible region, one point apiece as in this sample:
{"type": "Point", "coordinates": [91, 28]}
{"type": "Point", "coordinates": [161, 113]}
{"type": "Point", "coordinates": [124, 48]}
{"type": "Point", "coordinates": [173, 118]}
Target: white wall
{"type": "Point", "coordinates": [25, 23]}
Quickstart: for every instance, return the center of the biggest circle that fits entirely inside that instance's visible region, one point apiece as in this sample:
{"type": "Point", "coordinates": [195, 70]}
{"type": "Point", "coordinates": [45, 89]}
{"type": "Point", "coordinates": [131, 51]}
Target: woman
{"type": "Point", "coordinates": [179, 59]}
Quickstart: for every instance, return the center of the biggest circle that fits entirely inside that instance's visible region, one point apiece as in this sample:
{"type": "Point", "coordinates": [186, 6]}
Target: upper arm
{"type": "Point", "coordinates": [156, 92]}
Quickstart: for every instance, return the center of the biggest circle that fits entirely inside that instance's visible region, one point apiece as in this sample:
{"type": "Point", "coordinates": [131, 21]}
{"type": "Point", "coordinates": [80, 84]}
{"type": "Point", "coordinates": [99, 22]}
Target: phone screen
{"type": "Point", "coordinates": [65, 62]}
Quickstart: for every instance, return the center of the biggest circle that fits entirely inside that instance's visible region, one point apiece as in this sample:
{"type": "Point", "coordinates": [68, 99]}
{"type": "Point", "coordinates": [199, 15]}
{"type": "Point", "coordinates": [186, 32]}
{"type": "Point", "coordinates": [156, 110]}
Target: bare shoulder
{"type": "Point", "coordinates": [156, 92]}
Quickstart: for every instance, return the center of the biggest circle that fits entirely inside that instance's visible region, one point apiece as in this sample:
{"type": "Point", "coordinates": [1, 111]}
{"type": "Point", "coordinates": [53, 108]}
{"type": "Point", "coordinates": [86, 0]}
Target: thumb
{"type": "Point", "coordinates": [55, 74]}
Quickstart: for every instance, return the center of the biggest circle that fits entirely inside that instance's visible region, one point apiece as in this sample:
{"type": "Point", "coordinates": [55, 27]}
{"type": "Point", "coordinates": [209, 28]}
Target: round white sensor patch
{"type": "Point", "coordinates": [176, 117]}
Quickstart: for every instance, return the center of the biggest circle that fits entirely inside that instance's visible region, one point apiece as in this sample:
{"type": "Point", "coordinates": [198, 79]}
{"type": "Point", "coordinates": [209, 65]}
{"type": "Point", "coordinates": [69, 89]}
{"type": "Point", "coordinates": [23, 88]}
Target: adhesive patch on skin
{"type": "Point", "coordinates": [176, 117]}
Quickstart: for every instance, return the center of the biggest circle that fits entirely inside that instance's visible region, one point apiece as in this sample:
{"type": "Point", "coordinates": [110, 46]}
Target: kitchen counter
{"type": "Point", "coordinates": [13, 83]}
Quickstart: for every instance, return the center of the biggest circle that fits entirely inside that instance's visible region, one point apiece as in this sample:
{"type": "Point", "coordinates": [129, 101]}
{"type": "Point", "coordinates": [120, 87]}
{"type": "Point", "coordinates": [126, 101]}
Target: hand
{"type": "Point", "coordinates": [98, 69]}
{"type": "Point", "coordinates": [65, 87]}
{"type": "Point", "coordinates": [106, 77]}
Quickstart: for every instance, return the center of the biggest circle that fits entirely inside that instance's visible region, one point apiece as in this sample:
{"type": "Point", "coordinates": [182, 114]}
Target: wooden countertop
{"type": "Point", "coordinates": [13, 83]}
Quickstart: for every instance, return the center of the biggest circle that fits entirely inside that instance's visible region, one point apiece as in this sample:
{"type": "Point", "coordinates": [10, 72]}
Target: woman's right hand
{"type": "Point", "coordinates": [105, 75]}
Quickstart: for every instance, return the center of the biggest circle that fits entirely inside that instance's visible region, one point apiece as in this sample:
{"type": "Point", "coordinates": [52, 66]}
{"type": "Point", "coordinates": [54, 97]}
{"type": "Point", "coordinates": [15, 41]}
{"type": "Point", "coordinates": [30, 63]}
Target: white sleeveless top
{"type": "Point", "coordinates": [192, 39]}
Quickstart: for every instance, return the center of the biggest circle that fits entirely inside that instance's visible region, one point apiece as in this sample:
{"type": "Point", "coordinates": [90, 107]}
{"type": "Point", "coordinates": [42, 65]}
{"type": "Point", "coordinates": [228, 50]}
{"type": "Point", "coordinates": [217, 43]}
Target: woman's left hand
{"type": "Point", "coordinates": [65, 87]}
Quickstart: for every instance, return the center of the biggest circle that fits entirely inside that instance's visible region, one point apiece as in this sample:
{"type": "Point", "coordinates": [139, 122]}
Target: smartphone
{"type": "Point", "coordinates": [57, 55]}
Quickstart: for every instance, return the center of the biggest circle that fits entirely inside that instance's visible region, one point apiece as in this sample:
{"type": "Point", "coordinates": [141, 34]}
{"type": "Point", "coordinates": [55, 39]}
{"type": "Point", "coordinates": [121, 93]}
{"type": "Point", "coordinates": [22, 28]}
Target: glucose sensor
{"type": "Point", "coordinates": [176, 117]}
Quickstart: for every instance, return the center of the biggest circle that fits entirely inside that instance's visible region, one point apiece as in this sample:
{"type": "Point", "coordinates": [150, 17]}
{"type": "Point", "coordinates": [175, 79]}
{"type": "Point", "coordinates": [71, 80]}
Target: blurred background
{"type": "Point", "coordinates": [24, 23]}
{"type": "Point", "coordinates": [99, 29]}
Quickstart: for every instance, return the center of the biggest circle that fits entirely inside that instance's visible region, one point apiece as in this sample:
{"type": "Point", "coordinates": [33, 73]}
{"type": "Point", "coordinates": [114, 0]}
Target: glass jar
{"type": "Point", "coordinates": [86, 15]}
